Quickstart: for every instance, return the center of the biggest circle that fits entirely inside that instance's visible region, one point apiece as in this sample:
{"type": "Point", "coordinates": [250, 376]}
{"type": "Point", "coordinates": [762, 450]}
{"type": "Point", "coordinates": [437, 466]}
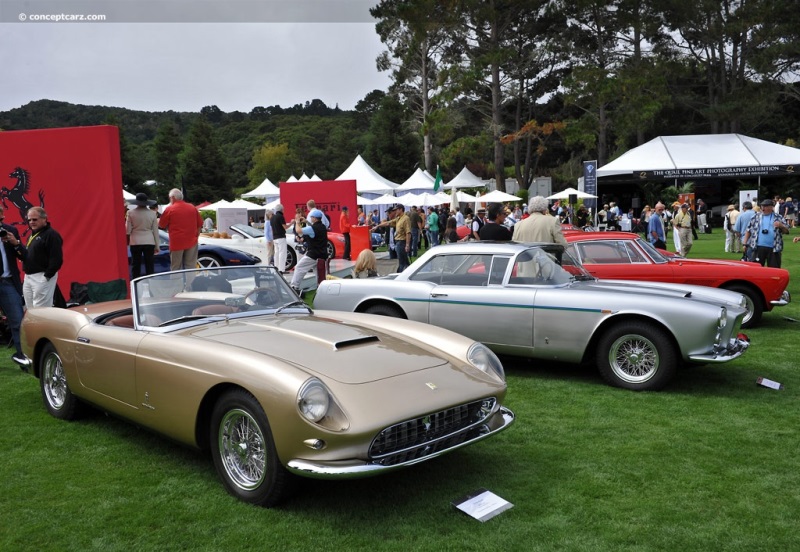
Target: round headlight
{"type": "Point", "coordinates": [313, 400]}
{"type": "Point", "coordinates": [484, 359]}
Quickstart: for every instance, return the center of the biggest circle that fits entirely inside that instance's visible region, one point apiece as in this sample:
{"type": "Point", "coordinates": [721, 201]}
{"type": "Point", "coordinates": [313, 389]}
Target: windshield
{"type": "Point", "coordinates": [548, 266]}
{"type": "Point", "coordinates": [173, 298]}
{"type": "Point", "coordinates": [248, 230]}
{"type": "Point", "coordinates": [654, 253]}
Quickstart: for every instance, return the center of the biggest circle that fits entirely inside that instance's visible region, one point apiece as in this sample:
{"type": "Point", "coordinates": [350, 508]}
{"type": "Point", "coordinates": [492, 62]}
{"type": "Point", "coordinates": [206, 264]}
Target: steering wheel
{"type": "Point", "coordinates": [263, 297]}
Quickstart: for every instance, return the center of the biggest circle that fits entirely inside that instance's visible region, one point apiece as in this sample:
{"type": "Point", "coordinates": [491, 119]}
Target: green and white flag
{"type": "Point", "coordinates": [438, 181]}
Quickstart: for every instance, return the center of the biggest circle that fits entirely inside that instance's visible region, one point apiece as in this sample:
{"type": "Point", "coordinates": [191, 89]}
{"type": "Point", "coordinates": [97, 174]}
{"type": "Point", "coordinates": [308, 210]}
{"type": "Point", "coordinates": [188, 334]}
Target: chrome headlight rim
{"type": "Point", "coordinates": [483, 358]}
{"type": "Point", "coordinates": [313, 400]}
{"type": "Point", "coordinates": [722, 321]}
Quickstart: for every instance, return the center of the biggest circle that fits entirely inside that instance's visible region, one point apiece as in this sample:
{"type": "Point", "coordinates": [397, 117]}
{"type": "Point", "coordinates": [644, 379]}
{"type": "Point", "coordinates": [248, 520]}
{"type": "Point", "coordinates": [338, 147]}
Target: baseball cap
{"type": "Point", "coordinates": [316, 213]}
{"type": "Point", "coordinates": [768, 203]}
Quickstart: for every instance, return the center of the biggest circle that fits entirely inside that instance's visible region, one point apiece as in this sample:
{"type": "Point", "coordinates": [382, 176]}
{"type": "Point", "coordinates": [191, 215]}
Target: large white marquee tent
{"type": "Point", "coordinates": [703, 156]}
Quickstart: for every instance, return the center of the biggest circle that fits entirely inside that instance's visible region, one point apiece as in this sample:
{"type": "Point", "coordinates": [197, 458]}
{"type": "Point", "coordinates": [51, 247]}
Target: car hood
{"type": "Point", "coordinates": [715, 296]}
{"type": "Point", "coordinates": [346, 352]}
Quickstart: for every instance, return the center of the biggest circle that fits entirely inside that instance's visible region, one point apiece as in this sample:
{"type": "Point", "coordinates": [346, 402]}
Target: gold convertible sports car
{"type": "Point", "coordinates": [229, 360]}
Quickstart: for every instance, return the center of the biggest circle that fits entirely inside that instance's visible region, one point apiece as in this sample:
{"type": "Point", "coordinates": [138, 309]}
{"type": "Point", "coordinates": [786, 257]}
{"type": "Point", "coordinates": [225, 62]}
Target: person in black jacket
{"type": "Point", "coordinates": [11, 286]}
{"type": "Point", "coordinates": [41, 260]}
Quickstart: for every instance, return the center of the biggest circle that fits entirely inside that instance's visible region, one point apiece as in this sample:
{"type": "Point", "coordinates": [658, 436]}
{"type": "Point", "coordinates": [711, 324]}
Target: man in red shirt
{"type": "Point", "coordinates": [183, 222]}
{"type": "Point", "coordinates": [344, 228]}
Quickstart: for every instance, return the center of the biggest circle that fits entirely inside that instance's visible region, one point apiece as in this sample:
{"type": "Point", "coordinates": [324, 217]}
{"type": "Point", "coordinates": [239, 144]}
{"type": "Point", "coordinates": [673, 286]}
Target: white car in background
{"type": "Point", "coordinates": [251, 240]}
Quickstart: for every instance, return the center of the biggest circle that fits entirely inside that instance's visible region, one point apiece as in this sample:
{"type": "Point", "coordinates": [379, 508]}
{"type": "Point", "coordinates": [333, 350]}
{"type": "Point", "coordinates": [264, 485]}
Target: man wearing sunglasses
{"type": "Point", "coordinates": [41, 260]}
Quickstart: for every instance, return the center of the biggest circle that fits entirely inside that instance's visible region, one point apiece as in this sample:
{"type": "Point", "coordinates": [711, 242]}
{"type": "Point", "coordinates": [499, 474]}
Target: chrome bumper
{"type": "Point", "coordinates": [356, 468]}
{"type": "Point", "coordinates": [736, 348]}
{"type": "Point", "coordinates": [785, 299]}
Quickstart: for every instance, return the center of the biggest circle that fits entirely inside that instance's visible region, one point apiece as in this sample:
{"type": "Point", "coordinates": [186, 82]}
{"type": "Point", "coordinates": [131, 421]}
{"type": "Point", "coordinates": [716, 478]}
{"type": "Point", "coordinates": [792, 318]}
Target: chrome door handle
{"type": "Point", "coordinates": [438, 295]}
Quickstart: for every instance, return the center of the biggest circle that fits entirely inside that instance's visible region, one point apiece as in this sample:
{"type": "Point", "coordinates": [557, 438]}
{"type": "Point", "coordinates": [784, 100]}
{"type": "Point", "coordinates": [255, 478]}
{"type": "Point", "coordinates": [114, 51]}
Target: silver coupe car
{"type": "Point", "coordinates": [534, 300]}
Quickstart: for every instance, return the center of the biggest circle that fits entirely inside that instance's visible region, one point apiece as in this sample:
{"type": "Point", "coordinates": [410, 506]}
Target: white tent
{"type": "Point", "coordinates": [243, 204]}
{"type": "Point", "coordinates": [386, 199]}
{"type": "Point", "coordinates": [703, 156]}
{"type": "Point", "coordinates": [216, 205]}
{"type": "Point", "coordinates": [497, 196]}
{"type": "Point", "coordinates": [292, 178]}
{"type": "Point", "coordinates": [304, 178]}
{"type": "Point", "coordinates": [564, 194]}
{"type": "Point", "coordinates": [367, 180]}
{"type": "Point", "coordinates": [127, 195]}
{"type": "Point", "coordinates": [465, 179]}
{"type": "Point", "coordinates": [265, 189]}
{"type": "Point", "coordinates": [464, 197]}
{"type": "Point", "coordinates": [424, 200]}
{"type": "Point", "coordinates": [315, 178]}
{"type": "Point", "coordinates": [418, 182]}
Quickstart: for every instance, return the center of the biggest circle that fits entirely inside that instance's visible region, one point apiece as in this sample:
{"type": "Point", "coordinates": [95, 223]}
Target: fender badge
{"type": "Point", "coordinates": [146, 402]}
{"type": "Point", "coordinates": [431, 385]}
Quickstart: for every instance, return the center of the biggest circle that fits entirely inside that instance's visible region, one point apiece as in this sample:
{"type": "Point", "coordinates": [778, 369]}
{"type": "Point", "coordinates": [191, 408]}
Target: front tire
{"type": "Point", "coordinates": [58, 399]}
{"type": "Point", "coordinates": [331, 250]}
{"type": "Point", "coordinates": [755, 305]}
{"type": "Point", "coordinates": [637, 356]}
{"type": "Point", "coordinates": [244, 451]}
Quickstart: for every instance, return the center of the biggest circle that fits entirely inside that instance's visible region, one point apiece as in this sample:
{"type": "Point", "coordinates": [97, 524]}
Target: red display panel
{"type": "Point", "coordinates": [75, 174]}
{"type": "Point", "coordinates": [329, 195]}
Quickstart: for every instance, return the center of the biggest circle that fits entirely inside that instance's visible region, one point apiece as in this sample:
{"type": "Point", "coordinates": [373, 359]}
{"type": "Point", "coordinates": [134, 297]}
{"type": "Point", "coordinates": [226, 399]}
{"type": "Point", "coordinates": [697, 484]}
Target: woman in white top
{"type": "Point", "coordinates": [142, 229]}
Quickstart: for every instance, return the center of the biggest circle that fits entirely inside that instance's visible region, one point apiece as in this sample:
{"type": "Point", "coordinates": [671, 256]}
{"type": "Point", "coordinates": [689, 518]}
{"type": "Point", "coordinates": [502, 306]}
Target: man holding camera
{"type": "Point", "coordinates": [11, 286]}
{"type": "Point", "coordinates": [764, 235]}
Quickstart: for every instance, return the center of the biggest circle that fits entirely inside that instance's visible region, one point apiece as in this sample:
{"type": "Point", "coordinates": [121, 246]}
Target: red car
{"type": "Point", "coordinates": [626, 256]}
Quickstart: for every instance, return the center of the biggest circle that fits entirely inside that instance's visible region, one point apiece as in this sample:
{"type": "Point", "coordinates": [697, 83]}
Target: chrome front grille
{"type": "Point", "coordinates": [431, 433]}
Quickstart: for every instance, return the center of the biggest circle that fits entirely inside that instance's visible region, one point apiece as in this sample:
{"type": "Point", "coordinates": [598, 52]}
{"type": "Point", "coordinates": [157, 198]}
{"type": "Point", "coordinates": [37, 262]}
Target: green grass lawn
{"type": "Point", "coordinates": [711, 463]}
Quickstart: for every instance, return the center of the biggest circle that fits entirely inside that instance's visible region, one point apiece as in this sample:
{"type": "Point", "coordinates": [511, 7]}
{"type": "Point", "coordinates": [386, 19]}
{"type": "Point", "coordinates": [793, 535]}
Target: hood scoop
{"type": "Point", "coordinates": [346, 344]}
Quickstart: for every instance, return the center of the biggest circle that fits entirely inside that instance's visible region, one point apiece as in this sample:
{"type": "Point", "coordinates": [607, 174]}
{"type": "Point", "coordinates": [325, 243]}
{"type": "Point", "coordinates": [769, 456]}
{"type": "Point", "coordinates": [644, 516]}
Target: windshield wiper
{"type": "Point", "coordinates": [293, 304]}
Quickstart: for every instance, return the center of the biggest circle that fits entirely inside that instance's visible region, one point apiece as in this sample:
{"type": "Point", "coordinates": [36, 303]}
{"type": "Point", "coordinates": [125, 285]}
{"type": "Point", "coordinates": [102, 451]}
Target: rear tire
{"type": "Point", "coordinates": [58, 399]}
{"type": "Point", "coordinates": [291, 259]}
{"type": "Point", "coordinates": [209, 260]}
{"type": "Point", "coordinates": [331, 250]}
{"type": "Point", "coordinates": [637, 356]}
{"type": "Point", "coordinates": [383, 309]}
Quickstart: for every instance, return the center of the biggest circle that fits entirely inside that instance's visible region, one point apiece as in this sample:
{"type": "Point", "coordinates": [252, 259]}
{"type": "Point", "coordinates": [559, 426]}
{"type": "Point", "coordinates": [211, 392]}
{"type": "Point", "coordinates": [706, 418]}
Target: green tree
{"type": "Point", "coordinates": [167, 147]}
{"type": "Point", "coordinates": [269, 161]}
{"type": "Point", "coordinates": [392, 150]}
{"type": "Point", "coordinates": [203, 172]}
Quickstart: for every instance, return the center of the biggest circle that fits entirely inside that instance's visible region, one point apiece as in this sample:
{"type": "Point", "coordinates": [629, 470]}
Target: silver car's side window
{"type": "Point", "coordinates": [456, 270]}
{"type": "Point", "coordinates": [499, 265]}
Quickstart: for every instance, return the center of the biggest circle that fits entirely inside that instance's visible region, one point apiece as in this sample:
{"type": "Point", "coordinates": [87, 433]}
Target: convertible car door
{"type": "Point", "coordinates": [473, 300]}
{"type": "Point", "coordinates": [105, 357]}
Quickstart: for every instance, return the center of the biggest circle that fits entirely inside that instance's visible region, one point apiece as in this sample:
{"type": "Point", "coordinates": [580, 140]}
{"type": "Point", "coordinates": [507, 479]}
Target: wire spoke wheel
{"type": "Point", "coordinates": [633, 358]}
{"type": "Point", "coordinates": [56, 394]}
{"type": "Point", "coordinates": [54, 382]}
{"type": "Point", "coordinates": [637, 355]}
{"type": "Point", "coordinates": [242, 449]}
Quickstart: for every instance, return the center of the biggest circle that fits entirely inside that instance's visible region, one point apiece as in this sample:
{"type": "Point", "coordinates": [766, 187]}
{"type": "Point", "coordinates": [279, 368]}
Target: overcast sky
{"type": "Point", "coordinates": [158, 65]}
